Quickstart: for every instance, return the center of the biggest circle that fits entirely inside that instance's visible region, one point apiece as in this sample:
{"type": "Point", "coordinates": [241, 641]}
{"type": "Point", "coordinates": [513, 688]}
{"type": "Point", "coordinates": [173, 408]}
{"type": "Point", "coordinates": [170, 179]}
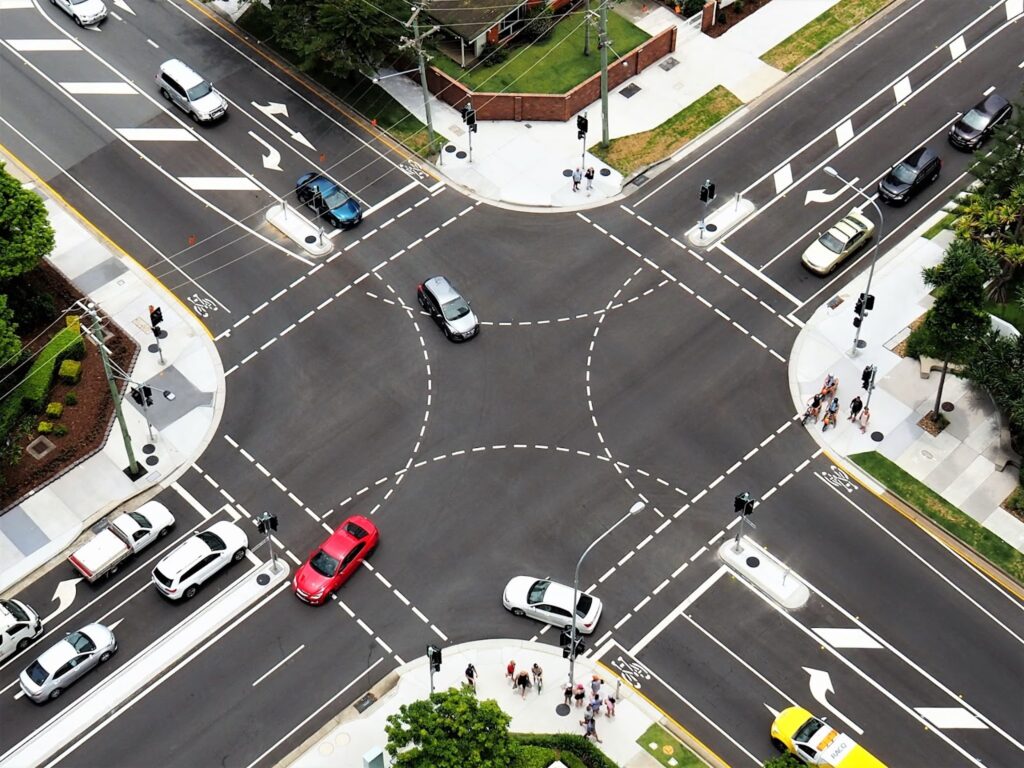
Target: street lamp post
{"type": "Point", "coordinates": [874, 253]}
{"type": "Point", "coordinates": [635, 509]}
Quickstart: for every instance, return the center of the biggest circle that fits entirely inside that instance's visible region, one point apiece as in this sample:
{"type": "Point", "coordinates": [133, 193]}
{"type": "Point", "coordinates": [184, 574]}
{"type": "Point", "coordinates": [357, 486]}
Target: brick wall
{"type": "Point", "coordinates": [557, 107]}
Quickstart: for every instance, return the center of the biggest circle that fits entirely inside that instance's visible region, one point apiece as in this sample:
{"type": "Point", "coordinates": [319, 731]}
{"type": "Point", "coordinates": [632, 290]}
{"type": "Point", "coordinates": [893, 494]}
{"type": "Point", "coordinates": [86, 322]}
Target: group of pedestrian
{"type": "Point", "coordinates": [578, 176]}
{"type": "Point", "coordinates": [521, 680]}
{"type": "Point", "coordinates": [827, 398]}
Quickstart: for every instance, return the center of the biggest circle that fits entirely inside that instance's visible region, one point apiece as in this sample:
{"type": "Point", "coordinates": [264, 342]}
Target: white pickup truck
{"type": "Point", "coordinates": [125, 535]}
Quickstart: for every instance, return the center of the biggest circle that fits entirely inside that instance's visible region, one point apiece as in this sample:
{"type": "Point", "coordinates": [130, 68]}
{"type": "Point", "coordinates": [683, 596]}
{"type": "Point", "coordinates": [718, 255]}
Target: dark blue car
{"type": "Point", "coordinates": [329, 199]}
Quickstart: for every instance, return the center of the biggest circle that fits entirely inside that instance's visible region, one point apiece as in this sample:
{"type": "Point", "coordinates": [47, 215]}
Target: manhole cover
{"type": "Point", "coordinates": [263, 579]}
{"type": "Point", "coordinates": [753, 562]}
{"type": "Point", "coordinates": [608, 172]}
{"type": "Point", "coordinates": [630, 90]}
{"type": "Point", "coordinates": [39, 447]}
{"type": "Point", "coordinates": [460, 154]}
{"type": "Point", "coordinates": [152, 460]}
{"type": "Point", "coordinates": [567, 172]}
{"type": "Point", "coordinates": [153, 348]}
{"type": "Point", "coordinates": [668, 63]}
{"type": "Point", "coordinates": [562, 710]}
{"type": "Point", "coordinates": [450, 148]}
{"type": "Point", "coordinates": [877, 436]}
{"type": "Point", "coordinates": [947, 407]}
{"type": "Point", "coordinates": [365, 703]}
{"type": "Point", "coordinates": [148, 448]}
{"type": "Point", "coordinates": [861, 343]}
{"type": "Point", "coordinates": [711, 227]}
{"type": "Point", "coordinates": [310, 239]}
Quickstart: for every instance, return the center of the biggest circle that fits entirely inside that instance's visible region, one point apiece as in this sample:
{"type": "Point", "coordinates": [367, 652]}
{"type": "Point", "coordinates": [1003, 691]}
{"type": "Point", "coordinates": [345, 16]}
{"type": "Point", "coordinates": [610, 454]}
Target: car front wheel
{"type": "Point", "coordinates": [238, 555]}
{"type": "Point", "coordinates": [55, 693]}
{"type": "Point", "coordinates": [23, 644]}
{"type": "Point", "coordinates": [105, 657]}
{"type": "Point", "coordinates": [78, 21]}
{"type": "Point", "coordinates": [518, 612]}
{"type": "Point", "coordinates": [778, 745]}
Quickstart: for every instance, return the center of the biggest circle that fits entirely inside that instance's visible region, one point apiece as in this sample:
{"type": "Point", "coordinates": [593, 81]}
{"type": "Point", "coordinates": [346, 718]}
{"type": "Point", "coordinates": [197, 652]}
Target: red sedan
{"type": "Point", "coordinates": [336, 560]}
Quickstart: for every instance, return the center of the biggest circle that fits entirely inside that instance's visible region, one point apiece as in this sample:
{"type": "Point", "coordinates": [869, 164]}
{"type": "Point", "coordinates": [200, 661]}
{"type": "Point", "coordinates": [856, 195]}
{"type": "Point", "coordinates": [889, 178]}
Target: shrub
{"type": "Point", "coordinates": [71, 398]}
{"type": "Point", "coordinates": [1015, 501]}
{"type": "Point", "coordinates": [36, 386]}
{"type": "Point", "coordinates": [60, 430]}
{"type": "Point", "coordinates": [578, 747]}
{"type": "Point", "coordinates": [691, 7]}
{"type": "Point", "coordinates": [32, 307]}
{"type": "Point", "coordinates": [55, 410]}
{"type": "Point", "coordinates": [70, 371]}
{"type": "Point", "coordinates": [45, 428]}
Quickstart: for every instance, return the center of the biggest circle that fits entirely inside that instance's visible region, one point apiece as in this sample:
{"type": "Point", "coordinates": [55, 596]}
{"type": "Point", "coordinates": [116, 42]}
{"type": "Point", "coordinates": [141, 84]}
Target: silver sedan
{"type": "Point", "coordinates": [62, 664]}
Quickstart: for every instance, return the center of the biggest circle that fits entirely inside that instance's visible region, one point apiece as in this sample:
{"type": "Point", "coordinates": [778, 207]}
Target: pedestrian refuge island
{"type": "Point", "coordinates": [299, 229]}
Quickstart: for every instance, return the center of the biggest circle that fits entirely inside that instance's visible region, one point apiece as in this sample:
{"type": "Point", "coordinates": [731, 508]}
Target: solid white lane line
{"type": "Point", "coordinates": [759, 275]}
{"type": "Point", "coordinates": [157, 134]}
{"type": "Point", "coordinates": [390, 198]}
{"type": "Point", "coordinates": [677, 611]}
{"type": "Point", "coordinates": [113, 88]}
{"type": "Point", "coordinates": [192, 501]}
{"type": "Point", "coordinates": [51, 44]}
{"type": "Point", "coordinates": [12, 5]}
{"type": "Point", "coordinates": [219, 183]}
{"type": "Point", "coordinates": [266, 674]}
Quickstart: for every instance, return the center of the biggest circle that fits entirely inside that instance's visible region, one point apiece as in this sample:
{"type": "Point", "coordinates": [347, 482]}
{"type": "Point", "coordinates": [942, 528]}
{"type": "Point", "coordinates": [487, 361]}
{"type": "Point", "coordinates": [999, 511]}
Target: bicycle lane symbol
{"type": "Point", "coordinates": [201, 305]}
{"type": "Point", "coordinates": [838, 478]}
{"type": "Point", "coordinates": [631, 670]}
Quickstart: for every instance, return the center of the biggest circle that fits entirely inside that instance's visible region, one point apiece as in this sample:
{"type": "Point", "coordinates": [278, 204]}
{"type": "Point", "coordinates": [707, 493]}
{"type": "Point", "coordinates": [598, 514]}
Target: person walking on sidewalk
{"type": "Point", "coordinates": [589, 175]}
{"type": "Point", "coordinates": [538, 676]}
{"type": "Point", "coordinates": [595, 705]}
{"type": "Point", "coordinates": [609, 705]}
{"type": "Point", "coordinates": [577, 177]}
{"type": "Point", "coordinates": [510, 672]}
{"type": "Point", "coordinates": [471, 676]}
{"type": "Point", "coordinates": [865, 417]}
{"type": "Point", "coordinates": [855, 405]}
{"type": "Point", "coordinates": [567, 694]}
{"type": "Point", "coordinates": [523, 681]}
{"type": "Point", "coordinates": [578, 695]}
{"type": "Point", "coordinates": [589, 728]}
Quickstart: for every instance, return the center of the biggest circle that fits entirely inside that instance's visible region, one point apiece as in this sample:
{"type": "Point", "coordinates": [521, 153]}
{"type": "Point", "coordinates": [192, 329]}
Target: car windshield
{"type": "Point", "coordinates": [583, 605]}
{"type": "Point", "coordinates": [15, 610]}
{"type": "Point", "coordinates": [808, 729]}
{"type": "Point", "coordinates": [976, 120]}
{"type": "Point", "coordinates": [537, 592]}
{"type": "Point", "coordinates": [904, 174]}
{"type": "Point", "coordinates": [198, 91]}
{"type": "Point", "coordinates": [140, 519]}
{"type": "Point", "coordinates": [81, 643]}
{"type": "Point", "coordinates": [324, 564]}
{"type": "Point", "coordinates": [832, 242]}
{"type": "Point", "coordinates": [337, 198]}
{"type": "Point", "coordinates": [212, 540]}
{"type": "Point", "coordinates": [36, 673]}
{"type": "Point", "coordinates": [455, 309]}
{"type": "Point", "coordinates": [78, 2]}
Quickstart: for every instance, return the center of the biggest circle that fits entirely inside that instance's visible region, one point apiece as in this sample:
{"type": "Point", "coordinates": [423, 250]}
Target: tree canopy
{"type": "Point", "coordinates": [451, 729]}
{"type": "Point", "coordinates": [25, 234]}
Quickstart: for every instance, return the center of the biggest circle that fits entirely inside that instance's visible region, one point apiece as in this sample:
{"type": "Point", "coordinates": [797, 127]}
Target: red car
{"type": "Point", "coordinates": [337, 558]}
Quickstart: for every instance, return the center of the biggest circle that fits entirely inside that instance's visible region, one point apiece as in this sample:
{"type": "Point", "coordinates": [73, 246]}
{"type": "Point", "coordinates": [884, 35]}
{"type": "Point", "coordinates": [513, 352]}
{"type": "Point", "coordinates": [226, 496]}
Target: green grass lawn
{"type": "Point", "coordinates": [946, 222]}
{"type": "Point", "coordinates": [628, 153]}
{"type": "Point", "coordinates": [944, 514]}
{"type": "Point", "coordinates": [807, 41]}
{"type": "Point", "coordinates": [663, 746]}
{"type": "Point", "coordinates": [556, 65]}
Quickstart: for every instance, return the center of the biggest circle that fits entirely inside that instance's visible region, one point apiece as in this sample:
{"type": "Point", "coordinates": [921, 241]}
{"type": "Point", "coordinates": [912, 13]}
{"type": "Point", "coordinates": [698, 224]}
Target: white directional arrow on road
{"type": "Point", "coordinates": [821, 196]}
{"type": "Point", "coordinates": [273, 108]}
{"type": "Point", "coordinates": [124, 6]}
{"type": "Point", "coordinates": [65, 596]}
{"type": "Point", "coordinates": [114, 626]}
{"type": "Point", "coordinates": [821, 686]}
{"type": "Point", "coordinates": [271, 160]}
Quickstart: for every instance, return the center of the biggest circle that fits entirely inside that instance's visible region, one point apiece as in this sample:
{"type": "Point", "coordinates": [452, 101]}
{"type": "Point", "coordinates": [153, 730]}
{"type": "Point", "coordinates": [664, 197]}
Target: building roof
{"type": "Point", "coordinates": [469, 18]}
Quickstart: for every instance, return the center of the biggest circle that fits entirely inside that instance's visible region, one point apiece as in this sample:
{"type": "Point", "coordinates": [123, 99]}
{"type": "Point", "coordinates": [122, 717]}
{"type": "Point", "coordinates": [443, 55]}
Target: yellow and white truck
{"type": "Point", "coordinates": [815, 742]}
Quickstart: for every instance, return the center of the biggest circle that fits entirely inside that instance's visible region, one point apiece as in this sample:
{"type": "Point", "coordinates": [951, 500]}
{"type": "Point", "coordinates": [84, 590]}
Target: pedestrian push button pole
{"type": "Point", "coordinates": [266, 524]}
{"type": "Point", "coordinates": [707, 194]}
{"type": "Point", "coordinates": [156, 316]}
{"type": "Point", "coordinates": [434, 657]}
{"type": "Point", "coordinates": [743, 505]}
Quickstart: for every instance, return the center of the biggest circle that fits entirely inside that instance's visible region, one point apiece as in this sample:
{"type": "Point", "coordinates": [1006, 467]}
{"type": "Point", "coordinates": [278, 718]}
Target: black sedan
{"type": "Point", "coordinates": [329, 199]}
{"type": "Point", "coordinates": [919, 169]}
{"type": "Point", "coordinates": [977, 125]}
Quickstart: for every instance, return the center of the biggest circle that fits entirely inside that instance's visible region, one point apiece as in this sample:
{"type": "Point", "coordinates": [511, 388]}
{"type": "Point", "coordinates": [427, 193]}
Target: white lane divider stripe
{"type": "Point", "coordinates": [157, 134]}
{"type": "Point", "coordinates": [47, 44]}
{"type": "Point", "coordinates": [947, 718]}
{"type": "Point", "coordinates": [113, 88]}
{"type": "Point", "coordinates": [13, 5]}
{"type": "Point", "coordinates": [283, 661]}
{"type": "Point", "coordinates": [218, 183]}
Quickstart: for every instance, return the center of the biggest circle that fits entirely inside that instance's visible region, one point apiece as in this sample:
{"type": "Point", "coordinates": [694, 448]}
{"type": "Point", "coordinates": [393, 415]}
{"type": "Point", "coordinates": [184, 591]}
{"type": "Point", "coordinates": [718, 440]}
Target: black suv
{"type": "Point", "coordinates": [977, 125]}
{"type": "Point", "coordinates": [919, 169]}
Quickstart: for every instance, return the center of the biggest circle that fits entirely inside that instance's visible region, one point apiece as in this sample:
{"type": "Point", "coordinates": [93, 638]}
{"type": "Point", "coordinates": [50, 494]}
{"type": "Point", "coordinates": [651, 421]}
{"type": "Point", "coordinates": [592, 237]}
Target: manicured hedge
{"type": "Point", "coordinates": [35, 389]}
{"type": "Point", "coordinates": [576, 746]}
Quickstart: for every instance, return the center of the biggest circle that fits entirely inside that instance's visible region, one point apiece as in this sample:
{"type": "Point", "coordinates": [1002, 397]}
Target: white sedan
{"type": "Point", "coordinates": [86, 13]}
{"type": "Point", "coordinates": [550, 602]}
{"type": "Point", "coordinates": [841, 241]}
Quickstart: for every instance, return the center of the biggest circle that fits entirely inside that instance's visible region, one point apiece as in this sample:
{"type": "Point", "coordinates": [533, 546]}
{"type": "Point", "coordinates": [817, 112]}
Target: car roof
{"type": "Point", "coordinates": [187, 553]}
{"type": "Point", "coordinates": [847, 227]}
{"type": "Point", "coordinates": [340, 543]}
{"type": "Point", "coordinates": [559, 594]}
{"type": "Point", "coordinates": [991, 104]}
{"type": "Point", "coordinates": [919, 157]}
{"type": "Point", "coordinates": [182, 72]}
{"type": "Point", "coordinates": [442, 288]}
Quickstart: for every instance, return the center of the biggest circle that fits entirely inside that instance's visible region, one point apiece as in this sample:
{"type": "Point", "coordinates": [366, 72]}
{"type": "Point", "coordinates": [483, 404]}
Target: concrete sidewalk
{"type": "Point", "coordinates": [968, 463]}
{"type": "Point", "coordinates": [50, 519]}
{"type": "Point", "coordinates": [343, 741]}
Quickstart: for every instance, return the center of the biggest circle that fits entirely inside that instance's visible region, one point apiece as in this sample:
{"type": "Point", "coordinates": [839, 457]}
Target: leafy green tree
{"type": "Point", "coordinates": [25, 234]}
{"type": "Point", "coordinates": [956, 323]}
{"type": "Point", "coordinates": [10, 344]}
{"type": "Point", "coordinates": [341, 37]}
{"type": "Point", "coordinates": [998, 366]}
{"type": "Point", "coordinates": [996, 224]}
{"type": "Point", "coordinates": [451, 729]}
{"type": "Point", "coordinates": [1000, 166]}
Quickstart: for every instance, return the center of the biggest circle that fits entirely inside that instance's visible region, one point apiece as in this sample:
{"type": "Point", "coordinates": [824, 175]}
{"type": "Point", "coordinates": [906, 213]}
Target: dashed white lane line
{"type": "Point", "coordinates": [279, 664]}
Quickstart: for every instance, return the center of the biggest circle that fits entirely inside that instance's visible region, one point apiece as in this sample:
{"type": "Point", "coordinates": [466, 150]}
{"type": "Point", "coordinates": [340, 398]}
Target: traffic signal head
{"type": "Point", "coordinates": [156, 316]}
{"type": "Point", "coordinates": [858, 308]}
{"type": "Point", "coordinates": [581, 126]}
{"type": "Point", "coordinates": [869, 302]}
{"type": "Point", "coordinates": [744, 503]}
{"type": "Point", "coordinates": [137, 395]}
{"type": "Point", "coordinates": [147, 393]}
{"type": "Point", "coordinates": [865, 377]}
{"type": "Point", "coordinates": [704, 194]}
{"type": "Point", "coordinates": [707, 191]}
{"type": "Point", "coordinates": [434, 654]}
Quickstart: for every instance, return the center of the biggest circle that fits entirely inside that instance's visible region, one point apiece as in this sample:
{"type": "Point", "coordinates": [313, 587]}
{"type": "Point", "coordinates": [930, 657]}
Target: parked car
{"type": "Point", "coordinates": [193, 94]}
{"type": "Point", "coordinates": [59, 666]}
{"type": "Point", "coordinates": [329, 199]}
{"type": "Point", "coordinates": [19, 626]}
{"type": "Point", "coordinates": [86, 13]}
{"type": "Point", "coordinates": [450, 310]}
{"type": "Point", "coordinates": [971, 130]}
{"type": "Point", "coordinates": [840, 242]}
{"type": "Point", "coordinates": [908, 177]}
{"type": "Point", "coordinates": [331, 565]}
{"type": "Point", "coordinates": [126, 535]}
{"type": "Point", "coordinates": [797, 731]}
{"type": "Point", "coordinates": [196, 560]}
{"type": "Point", "coordinates": [551, 602]}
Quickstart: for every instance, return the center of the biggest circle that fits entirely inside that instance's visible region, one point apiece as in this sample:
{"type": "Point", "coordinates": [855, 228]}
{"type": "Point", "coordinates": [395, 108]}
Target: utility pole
{"type": "Point", "coordinates": [97, 336]}
{"type": "Point", "coordinates": [586, 29]}
{"type": "Point", "coordinates": [417, 44]}
{"type": "Point", "coordinates": [605, 44]}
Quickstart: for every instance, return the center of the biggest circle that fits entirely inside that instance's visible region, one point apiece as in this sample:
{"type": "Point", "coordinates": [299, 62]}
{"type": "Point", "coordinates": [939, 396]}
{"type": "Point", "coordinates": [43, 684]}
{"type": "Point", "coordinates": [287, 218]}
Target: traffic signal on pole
{"type": "Point", "coordinates": [147, 394]}
{"type": "Point", "coordinates": [567, 651]}
{"type": "Point", "coordinates": [469, 117]}
{"type": "Point", "coordinates": [858, 308]}
{"type": "Point", "coordinates": [581, 126]}
{"type": "Point", "coordinates": [866, 376]}
{"type": "Point", "coordinates": [266, 523]}
{"type": "Point", "coordinates": [565, 639]}
{"type": "Point", "coordinates": [137, 395]}
{"type": "Point", "coordinates": [707, 191]}
{"type": "Point", "coordinates": [869, 302]}
{"type": "Point", "coordinates": [156, 316]}
{"type": "Point", "coordinates": [434, 654]}
{"type": "Point", "coordinates": [744, 503]}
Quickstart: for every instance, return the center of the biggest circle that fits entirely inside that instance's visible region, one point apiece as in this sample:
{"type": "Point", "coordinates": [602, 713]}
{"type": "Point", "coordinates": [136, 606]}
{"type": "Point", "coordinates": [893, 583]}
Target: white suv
{"type": "Point", "coordinates": [19, 626]}
{"type": "Point", "coordinates": [181, 573]}
{"type": "Point", "coordinates": [182, 85]}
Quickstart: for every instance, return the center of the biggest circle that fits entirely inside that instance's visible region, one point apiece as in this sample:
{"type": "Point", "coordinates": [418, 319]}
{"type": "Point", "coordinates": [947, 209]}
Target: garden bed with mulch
{"type": "Point", "coordinates": [87, 421]}
{"type": "Point", "coordinates": [734, 14]}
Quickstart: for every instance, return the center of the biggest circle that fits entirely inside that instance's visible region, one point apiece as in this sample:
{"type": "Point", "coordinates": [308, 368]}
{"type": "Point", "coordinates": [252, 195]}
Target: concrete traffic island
{"type": "Point", "coordinates": [766, 573]}
{"type": "Point", "coordinates": [299, 229]}
{"type": "Point", "coordinates": [722, 219]}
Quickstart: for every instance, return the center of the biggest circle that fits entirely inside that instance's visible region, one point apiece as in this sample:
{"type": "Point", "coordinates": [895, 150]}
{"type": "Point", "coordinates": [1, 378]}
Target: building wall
{"type": "Point", "coordinates": [557, 107]}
